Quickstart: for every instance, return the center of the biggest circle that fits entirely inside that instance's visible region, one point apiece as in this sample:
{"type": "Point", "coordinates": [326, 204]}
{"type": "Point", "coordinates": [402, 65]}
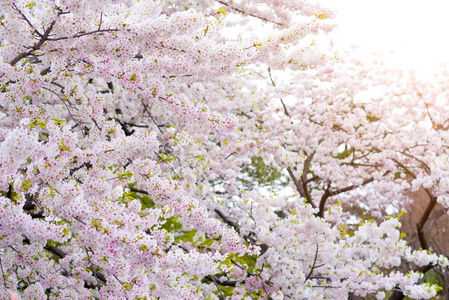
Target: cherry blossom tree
{"type": "Point", "coordinates": [127, 132]}
{"type": "Point", "coordinates": [366, 137]}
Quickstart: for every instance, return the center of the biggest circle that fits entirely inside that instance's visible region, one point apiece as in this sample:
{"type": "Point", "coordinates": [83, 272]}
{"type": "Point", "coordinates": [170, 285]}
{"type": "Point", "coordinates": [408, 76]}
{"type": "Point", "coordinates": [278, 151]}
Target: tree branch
{"type": "Point", "coordinates": [328, 193]}
{"type": "Point", "coordinates": [313, 265]}
{"type": "Point", "coordinates": [305, 172]}
{"type": "Point", "coordinates": [423, 220]}
{"type": "Point", "coordinates": [227, 220]}
{"type": "Point", "coordinates": [245, 13]}
{"type": "Point", "coordinates": [35, 47]}
{"type": "Point", "coordinates": [299, 187]}
{"type": "Point", "coordinates": [224, 283]}
{"type": "Point", "coordinates": [80, 34]}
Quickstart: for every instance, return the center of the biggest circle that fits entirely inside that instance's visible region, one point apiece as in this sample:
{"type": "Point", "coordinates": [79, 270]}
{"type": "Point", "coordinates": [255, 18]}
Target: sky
{"type": "Point", "coordinates": [416, 31]}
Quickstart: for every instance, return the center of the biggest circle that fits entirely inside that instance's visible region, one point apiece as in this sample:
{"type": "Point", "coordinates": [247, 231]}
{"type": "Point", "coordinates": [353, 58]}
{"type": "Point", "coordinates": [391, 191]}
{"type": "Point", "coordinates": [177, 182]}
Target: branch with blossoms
{"type": "Point", "coordinates": [242, 11]}
{"type": "Point", "coordinates": [47, 35]}
{"type": "Point", "coordinates": [35, 47]}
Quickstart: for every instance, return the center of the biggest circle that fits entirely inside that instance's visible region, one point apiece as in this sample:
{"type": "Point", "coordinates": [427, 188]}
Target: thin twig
{"type": "Point", "coordinates": [14, 7]}
{"type": "Point", "coordinates": [218, 288]}
{"type": "Point", "coordinates": [313, 265]}
{"type": "Point", "coordinates": [81, 34]}
{"type": "Point", "coordinates": [145, 109]}
{"type": "Point", "coordinates": [249, 14]}
{"type": "Point", "coordinates": [101, 21]}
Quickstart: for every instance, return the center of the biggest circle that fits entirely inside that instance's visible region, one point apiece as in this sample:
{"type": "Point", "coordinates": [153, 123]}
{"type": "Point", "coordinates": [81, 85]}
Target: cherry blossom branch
{"type": "Point", "coordinates": [427, 212]}
{"type": "Point", "coordinates": [218, 288]}
{"type": "Point", "coordinates": [124, 128]}
{"type": "Point", "coordinates": [30, 206]}
{"type": "Point", "coordinates": [426, 167]}
{"type": "Point", "coordinates": [227, 220]}
{"type": "Point", "coordinates": [65, 105]}
{"type": "Point", "coordinates": [328, 193]}
{"type": "Point", "coordinates": [249, 239]}
{"type": "Point", "coordinates": [231, 283]}
{"type": "Point", "coordinates": [120, 283]}
{"type": "Point", "coordinates": [424, 218]}
{"type": "Point", "coordinates": [171, 168]}
{"type": "Point", "coordinates": [285, 108]}
{"type": "Point", "coordinates": [14, 7]}
{"type": "Point", "coordinates": [314, 178]}
{"type": "Point", "coordinates": [228, 156]}
{"type": "Point", "coordinates": [398, 294]}
{"type": "Point", "coordinates": [46, 35]}
{"type": "Point", "coordinates": [282, 101]}
{"type": "Point", "coordinates": [434, 125]}
{"type": "Point", "coordinates": [352, 187]}
{"type": "Point", "coordinates": [145, 109]}
{"type": "Point", "coordinates": [138, 191]}
{"type": "Point", "coordinates": [252, 274]}
{"type": "Point", "coordinates": [406, 169]}
{"type": "Point", "coordinates": [45, 71]}
{"type": "Point", "coordinates": [249, 14]}
{"type": "Point", "coordinates": [271, 78]}
{"type": "Point", "coordinates": [61, 254]}
{"type": "Point", "coordinates": [58, 252]}
{"type": "Point", "coordinates": [81, 34]}
{"type": "Point", "coordinates": [313, 265]}
{"type": "Point", "coordinates": [304, 174]}
{"type": "Point", "coordinates": [91, 265]}
{"type": "Point", "coordinates": [101, 21]}
{"type": "Point", "coordinates": [300, 187]}
{"type": "Point", "coordinates": [36, 46]}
